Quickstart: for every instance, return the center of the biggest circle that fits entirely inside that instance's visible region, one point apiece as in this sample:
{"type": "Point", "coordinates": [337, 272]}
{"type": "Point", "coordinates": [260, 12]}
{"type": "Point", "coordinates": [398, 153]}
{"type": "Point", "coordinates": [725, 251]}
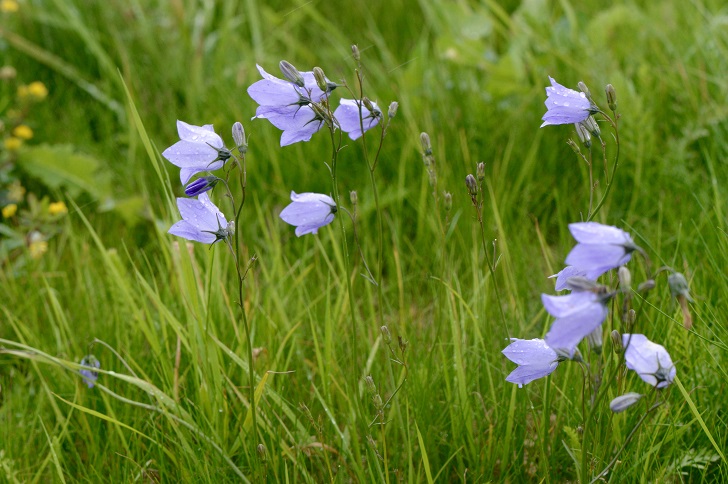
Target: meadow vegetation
{"type": "Point", "coordinates": [163, 316]}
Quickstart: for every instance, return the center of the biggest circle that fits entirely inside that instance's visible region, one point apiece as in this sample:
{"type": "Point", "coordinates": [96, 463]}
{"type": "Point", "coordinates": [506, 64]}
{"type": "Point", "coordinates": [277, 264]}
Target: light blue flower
{"type": "Point", "coordinates": [308, 212]}
{"type": "Point", "coordinates": [534, 359]}
{"type": "Point", "coordinates": [201, 221]}
{"type": "Point", "coordinates": [650, 360]}
{"type": "Point", "coordinates": [199, 149]}
{"type": "Point", "coordinates": [565, 106]}
{"type": "Point", "coordinates": [600, 248]}
{"type": "Point", "coordinates": [577, 315]}
{"type": "Point", "coordinates": [90, 376]}
{"type": "Point", "coordinates": [347, 114]}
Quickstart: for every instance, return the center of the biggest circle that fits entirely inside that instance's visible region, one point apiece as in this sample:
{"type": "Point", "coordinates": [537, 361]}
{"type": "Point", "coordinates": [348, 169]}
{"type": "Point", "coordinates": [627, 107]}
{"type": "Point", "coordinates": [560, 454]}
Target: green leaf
{"type": "Point", "coordinates": [60, 166]}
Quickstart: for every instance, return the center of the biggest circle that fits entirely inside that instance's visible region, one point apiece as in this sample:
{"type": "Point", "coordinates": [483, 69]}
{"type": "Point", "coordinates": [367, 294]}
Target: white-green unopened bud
{"type": "Point", "coordinates": [448, 201]}
{"type": "Point", "coordinates": [369, 383]}
{"type": "Point", "coordinates": [393, 107]}
{"type": "Point", "coordinates": [593, 127]}
{"type": "Point", "coordinates": [616, 341]}
{"type": "Point", "coordinates": [623, 402]}
{"type": "Point", "coordinates": [261, 450]}
{"type": "Point", "coordinates": [239, 137]}
{"type": "Point", "coordinates": [368, 104]}
{"type": "Point", "coordinates": [377, 400]}
{"type": "Point", "coordinates": [583, 134]}
{"type": "Point", "coordinates": [583, 88]}
{"type": "Point", "coordinates": [648, 285]}
{"type": "Point", "coordinates": [355, 52]}
{"type": "Point", "coordinates": [353, 197]}
{"type": "Point", "coordinates": [480, 171]}
{"type": "Point", "coordinates": [291, 73]}
{"type": "Point", "coordinates": [386, 335]}
{"type": "Point", "coordinates": [320, 77]}
{"type": "Point", "coordinates": [611, 97]}
{"type": "Point", "coordinates": [426, 145]}
{"type": "Point", "coordinates": [678, 285]}
{"type": "Point", "coordinates": [625, 278]}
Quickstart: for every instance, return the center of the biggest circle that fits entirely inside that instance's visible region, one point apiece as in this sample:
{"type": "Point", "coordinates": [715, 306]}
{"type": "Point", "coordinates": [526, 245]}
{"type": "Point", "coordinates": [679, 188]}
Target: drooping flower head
{"type": "Point", "coordinates": [650, 360]}
{"type": "Point", "coordinates": [308, 212]}
{"type": "Point", "coordinates": [199, 149]}
{"type": "Point", "coordinates": [288, 105]}
{"type": "Point", "coordinates": [201, 221]}
{"type": "Point", "coordinates": [577, 315]}
{"type": "Point", "coordinates": [347, 114]}
{"type": "Point", "coordinates": [534, 359]}
{"type": "Point", "coordinates": [90, 376]}
{"type": "Point", "coordinates": [565, 106]}
{"type": "Point", "coordinates": [599, 248]}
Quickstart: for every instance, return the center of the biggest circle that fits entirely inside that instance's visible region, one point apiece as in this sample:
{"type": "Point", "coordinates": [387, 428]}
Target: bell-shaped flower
{"type": "Point", "coordinates": [298, 123]}
{"type": "Point", "coordinates": [650, 360]}
{"type": "Point", "coordinates": [534, 359]}
{"type": "Point", "coordinates": [308, 212]}
{"type": "Point", "coordinates": [565, 106]}
{"type": "Point", "coordinates": [562, 278]}
{"type": "Point", "coordinates": [351, 120]}
{"type": "Point", "coordinates": [199, 149]}
{"type": "Point", "coordinates": [577, 315]}
{"type": "Point", "coordinates": [600, 248]}
{"type": "Point", "coordinates": [288, 106]}
{"type": "Point", "coordinates": [201, 221]}
{"type": "Point", "coordinates": [90, 376]}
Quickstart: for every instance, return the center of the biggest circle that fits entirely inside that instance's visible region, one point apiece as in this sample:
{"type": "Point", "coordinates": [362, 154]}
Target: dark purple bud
{"type": "Point", "coordinates": [201, 185]}
{"type": "Point", "coordinates": [472, 186]}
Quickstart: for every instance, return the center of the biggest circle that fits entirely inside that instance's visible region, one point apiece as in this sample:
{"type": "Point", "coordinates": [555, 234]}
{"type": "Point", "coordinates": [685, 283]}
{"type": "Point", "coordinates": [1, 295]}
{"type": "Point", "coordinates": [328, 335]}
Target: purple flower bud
{"type": "Point", "coordinates": [239, 137]}
{"type": "Point", "coordinates": [90, 376]}
{"type": "Point", "coordinates": [347, 114]}
{"type": "Point", "coordinates": [199, 149]}
{"type": "Point", "coordinates": [201, 221]}
{"type": "Point", "coordinates": [201, 185]}
{"type": "Point", "coordinates": [600, 248]}
{"type": "Point", "coordinates": [308, 212]}
{"type": "Point", "coordinates": [562, 278]}
{"type": "Point", "coordinates": [291, 73]}
{"type": "Point", "coordinates": [534, 359]}
{"type": "Point", "coordinates": [623, 402]}
{"type": "Point", "coordinates": [650, 360]}
{"type": "Point", "coordinates": [565, 106]}
{"type": "Point", "coordinates": [577, 315]}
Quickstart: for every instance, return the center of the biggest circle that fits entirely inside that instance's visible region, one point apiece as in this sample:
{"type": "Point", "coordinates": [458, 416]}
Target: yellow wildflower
{"type": "Point", "coordinates": [9, 210]}
{"type": "Point", "coordinates": [37, 248]}
{"type": "Point", "coordinates": [56, 208]}
{"type": "Point", "coordinates": [12, 143]}
{"type": "Point", "coordinates": [16, 192]}
{"type": "Point", "coordinates": [37, 90]}
{"type": "Point", "coordinates": [22, 131]}
{"type": "Point", "coordinates": [9, 6]}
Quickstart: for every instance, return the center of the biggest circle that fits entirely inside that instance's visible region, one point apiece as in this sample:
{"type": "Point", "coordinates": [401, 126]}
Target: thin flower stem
{"type": "Point", "coordinates": [591, 184]}
{"type": "Point", "coordinates": [478, 209]}
{"type": "Point", "coordinates": [626, 441]}
{"type": "Point", "coordinates": [610, 180]}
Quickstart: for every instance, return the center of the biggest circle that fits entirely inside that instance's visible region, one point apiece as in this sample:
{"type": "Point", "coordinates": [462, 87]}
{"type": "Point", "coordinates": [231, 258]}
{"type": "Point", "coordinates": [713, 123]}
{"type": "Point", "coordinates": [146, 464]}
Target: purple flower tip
{"type": "Point", "coordinates": [201, 221]}
{"type": "Point", "coordinates": [201, 185]}
{"type": "Point", "coordinates": [308, 212]}
{"type": "Point", "coordinates": [90, 376]}
{"type": "Point", "coordinates": [564, 105]}
{"type": "Point", "coordinates": [650, 360]}
{"type": "Point", "coordinates": [534, 359]}
{"type": "Point", "coordinates": [199, 149]}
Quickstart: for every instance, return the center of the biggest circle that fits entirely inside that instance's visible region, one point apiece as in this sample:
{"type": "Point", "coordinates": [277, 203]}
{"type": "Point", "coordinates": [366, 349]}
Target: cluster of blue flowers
{"type": "Point", "coordinates": [579, 315]}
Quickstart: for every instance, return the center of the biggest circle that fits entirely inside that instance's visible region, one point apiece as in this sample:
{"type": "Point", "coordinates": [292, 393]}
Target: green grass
{"type": "Point", "coordinates": [471, 75]}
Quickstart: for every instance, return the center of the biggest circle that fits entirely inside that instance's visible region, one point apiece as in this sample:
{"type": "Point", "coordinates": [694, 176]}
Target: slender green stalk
{"type": "Point", "coordinates": [610, 180]}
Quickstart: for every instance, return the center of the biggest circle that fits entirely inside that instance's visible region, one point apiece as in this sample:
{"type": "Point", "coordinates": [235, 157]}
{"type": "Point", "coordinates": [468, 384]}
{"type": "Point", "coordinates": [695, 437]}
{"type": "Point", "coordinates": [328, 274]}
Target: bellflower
{"type": "Point", "coordinates": [650, 360]}
{"type": "Point", "coordinates": [199, 149]}
{"type": "Point", "coordinates": [565, 106]}
{"type": "Point", "coordinates": [534, 359]}
{"type": "Point", "coordinates": [562, 278]}
{"type": "Point", "coordinates": [288, 105]}
{"type": "Point", "coordinates": [308, 212]}
{"type": "Point", "coordinates": [347, 114]}
{"type": "Point", "coordinates": [577, 315]}
{"type": "Point", "coordinates": [600, 248]}
{"type": "Point", "coordinates": [201, 221]}
{"type": "Point", "coordinates": [90, 376]}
